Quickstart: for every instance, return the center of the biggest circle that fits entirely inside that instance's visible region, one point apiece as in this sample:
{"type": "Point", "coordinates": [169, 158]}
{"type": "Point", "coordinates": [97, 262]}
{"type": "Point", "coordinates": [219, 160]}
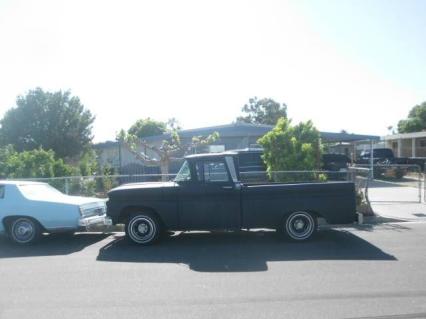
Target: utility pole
{"type": "Point", "coordinates": [119, 154]}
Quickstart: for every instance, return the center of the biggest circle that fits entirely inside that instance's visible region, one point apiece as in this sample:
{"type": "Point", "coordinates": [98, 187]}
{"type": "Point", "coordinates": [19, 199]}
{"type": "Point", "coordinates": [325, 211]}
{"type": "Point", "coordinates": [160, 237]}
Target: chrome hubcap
{"type": "Point", "coordinates": [299, 224]}
{"type": "Point", "coordinates": [23, 231]}
{"type": "Point", "coordinates": [142, 228]}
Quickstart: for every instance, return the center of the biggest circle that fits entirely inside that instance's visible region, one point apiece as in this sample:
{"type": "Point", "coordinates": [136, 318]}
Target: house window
{"type": "Point", "coordinates": [422, 143]}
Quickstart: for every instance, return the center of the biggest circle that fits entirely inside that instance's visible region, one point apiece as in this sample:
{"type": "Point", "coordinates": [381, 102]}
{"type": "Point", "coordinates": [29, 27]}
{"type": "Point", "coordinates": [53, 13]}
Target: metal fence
{"type": "Point", "coordinates": [100, 185]}
{"type": "Point", "coordinates": [354, 174]}
{"type": "Point", "coordinates": [395, 183]}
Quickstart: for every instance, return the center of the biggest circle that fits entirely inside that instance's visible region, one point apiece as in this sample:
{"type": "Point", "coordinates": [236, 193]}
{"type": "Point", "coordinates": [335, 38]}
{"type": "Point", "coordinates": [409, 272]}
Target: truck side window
{"type": "Point", "coordinates": [184, 173]}
{"type": "Point", "coordinates": [2, 191]}
{"type": "Point", "coordinates": [215, 171]}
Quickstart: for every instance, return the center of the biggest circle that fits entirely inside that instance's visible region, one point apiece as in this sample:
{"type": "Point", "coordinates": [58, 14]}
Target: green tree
{"type": "Point", "coordinates": [36, 163]}
{"type": "Point", "coordinates": [88, 165]}
{"type": "Point", "coordinates": [147, 127]}
{"type": "Point", "coordinates": [416, 120]}
{"type": "Point", "coordinates": [53, 121]}
{"type": "Point", "coordinates": [288, 147]}
{"type": "Point", "coordinates": [263, 111]}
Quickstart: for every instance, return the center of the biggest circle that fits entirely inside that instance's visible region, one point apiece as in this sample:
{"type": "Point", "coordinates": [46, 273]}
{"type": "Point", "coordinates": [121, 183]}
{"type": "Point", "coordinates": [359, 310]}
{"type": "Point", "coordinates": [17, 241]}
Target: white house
{"type": "Point", "coordinates": [407, 144]}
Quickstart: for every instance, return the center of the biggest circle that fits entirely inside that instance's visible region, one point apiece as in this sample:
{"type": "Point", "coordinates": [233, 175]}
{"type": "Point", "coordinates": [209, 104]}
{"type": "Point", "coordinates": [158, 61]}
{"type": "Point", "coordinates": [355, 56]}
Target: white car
{"type": "Point", "coordinates": [28, 209]}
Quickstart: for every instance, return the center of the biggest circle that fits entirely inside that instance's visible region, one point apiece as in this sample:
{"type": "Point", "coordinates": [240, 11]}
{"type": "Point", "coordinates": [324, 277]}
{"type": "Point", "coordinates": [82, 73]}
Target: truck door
{"type": "Point", "coordinates": [219, 201]}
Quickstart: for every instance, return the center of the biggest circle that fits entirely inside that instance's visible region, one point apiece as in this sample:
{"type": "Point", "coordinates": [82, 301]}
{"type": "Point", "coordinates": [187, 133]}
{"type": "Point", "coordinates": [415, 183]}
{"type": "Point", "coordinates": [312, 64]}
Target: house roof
{"type": "Point", "coordinates": [331, 137]}
{"type": "Point", "coordinates": [247, 129]}
{"type": "Point", "coordinates": [404, 135]}
{"type": "Point", "coordinates": [106, 144]}
{"type": "Point", "coordinates": [228, 130]}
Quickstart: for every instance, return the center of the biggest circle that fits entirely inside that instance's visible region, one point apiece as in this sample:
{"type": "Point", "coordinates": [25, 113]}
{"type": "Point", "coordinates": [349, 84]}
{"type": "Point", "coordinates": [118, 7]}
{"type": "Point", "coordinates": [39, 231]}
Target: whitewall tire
{"type": "Point", "coordinates": [142, 229]}
{"type": "Point", "coordinates": [300, 226]}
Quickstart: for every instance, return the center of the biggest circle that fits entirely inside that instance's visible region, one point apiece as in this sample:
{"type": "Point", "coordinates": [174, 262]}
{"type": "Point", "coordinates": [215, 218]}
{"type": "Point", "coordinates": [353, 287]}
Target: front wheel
{"type": "Point", "coordinates": [143, 229]}
{"type": "Point", "coordinates": [24, 231]}
{"type": "Point", "coordinates": [300, 226]}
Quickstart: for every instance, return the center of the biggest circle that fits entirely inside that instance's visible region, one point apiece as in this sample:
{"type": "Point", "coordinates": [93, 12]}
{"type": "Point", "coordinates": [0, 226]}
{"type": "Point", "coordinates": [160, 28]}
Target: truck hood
{"type": "Point", "coordinates": [145, 191]}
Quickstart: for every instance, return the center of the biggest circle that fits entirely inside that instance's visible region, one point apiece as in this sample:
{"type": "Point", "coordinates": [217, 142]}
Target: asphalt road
{"type": "Point", "coordinates": [375, 272]}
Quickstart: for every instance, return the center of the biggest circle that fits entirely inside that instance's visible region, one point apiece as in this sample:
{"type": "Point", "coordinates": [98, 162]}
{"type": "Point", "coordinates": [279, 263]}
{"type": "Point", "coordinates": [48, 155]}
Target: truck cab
{"type": "Point", "coordinates": [209, 192]}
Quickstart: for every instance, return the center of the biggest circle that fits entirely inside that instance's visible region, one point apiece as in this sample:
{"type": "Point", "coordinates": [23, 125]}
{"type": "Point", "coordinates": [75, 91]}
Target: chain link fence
{"type": "Point", "coordinates": [99, 186]}
{"type": "Point", "coordinates": [395, 183]}
{"type": "Point", "coordinates": [300, 176]}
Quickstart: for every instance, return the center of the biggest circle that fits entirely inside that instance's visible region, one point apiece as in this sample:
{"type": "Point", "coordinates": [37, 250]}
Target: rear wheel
{"type": "Point", "coordinates": [143, 228]}
{"type": "Point", "coordinates": [24, 230]}
{"type": "Point", "coordinates": [300, 226]}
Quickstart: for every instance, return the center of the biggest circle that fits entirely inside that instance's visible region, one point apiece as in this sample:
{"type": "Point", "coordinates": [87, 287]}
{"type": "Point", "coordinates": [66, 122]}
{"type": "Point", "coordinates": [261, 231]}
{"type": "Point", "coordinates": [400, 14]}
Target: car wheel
{"type": "Point", "coordinates": [300, 226]}
{"type": "Point", "coordinates": [143, 229]}
{"type": "Point", "coordinates": [24, 231]}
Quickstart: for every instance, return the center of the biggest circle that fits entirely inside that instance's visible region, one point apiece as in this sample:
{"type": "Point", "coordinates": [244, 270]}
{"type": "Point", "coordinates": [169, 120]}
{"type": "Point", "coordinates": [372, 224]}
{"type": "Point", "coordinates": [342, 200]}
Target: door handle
{"type": "Point", "coordinates": [227, 187]}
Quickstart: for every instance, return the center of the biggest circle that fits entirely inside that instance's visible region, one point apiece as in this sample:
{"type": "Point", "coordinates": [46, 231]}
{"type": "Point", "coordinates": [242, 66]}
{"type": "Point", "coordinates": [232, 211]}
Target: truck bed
{"type": "Point", "coordinates": [263, 205]}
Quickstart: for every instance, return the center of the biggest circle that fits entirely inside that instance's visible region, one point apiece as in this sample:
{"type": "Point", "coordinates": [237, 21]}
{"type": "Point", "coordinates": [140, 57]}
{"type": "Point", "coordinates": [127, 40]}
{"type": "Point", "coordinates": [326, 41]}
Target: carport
{"type": "Point", "coordinates": [348, 144]}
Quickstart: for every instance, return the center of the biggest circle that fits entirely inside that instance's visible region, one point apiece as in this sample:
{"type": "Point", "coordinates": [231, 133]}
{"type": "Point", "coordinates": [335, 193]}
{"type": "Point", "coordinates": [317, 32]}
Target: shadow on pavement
{"type": "Point", "coordinates": [389, 225]}
{"type": "Point", "coordinates": [241, 251]}
{"type": "Point", "coordinates": [50, 245]}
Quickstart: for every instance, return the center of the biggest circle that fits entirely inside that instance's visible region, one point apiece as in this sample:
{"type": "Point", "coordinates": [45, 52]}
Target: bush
{"type": "Point", "coordinates": [32, 164]}
{"type": "Point", "coordinates": [292, 148]}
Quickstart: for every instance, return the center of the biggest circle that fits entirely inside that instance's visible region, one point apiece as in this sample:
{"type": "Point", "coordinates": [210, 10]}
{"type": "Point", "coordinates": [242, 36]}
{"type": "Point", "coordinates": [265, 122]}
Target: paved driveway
{"type": "Point", "coordinates": [344, 273]}
{"type": "Point", "coordinates": [397, 200]}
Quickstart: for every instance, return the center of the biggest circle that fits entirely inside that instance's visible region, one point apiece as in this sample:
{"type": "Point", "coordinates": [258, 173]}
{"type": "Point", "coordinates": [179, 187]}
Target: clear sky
{"type": "Point", "coordinates": [355, 65]}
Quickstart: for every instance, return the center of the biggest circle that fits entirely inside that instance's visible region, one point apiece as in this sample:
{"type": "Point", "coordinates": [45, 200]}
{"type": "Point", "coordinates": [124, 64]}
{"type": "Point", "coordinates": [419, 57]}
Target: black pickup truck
{"type": "Point", "coordinates": [385, 163]}
{"type": "Point", "coordinates": [207, 195]}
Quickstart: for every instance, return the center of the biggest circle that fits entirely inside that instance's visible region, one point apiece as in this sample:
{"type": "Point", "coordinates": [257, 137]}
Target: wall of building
{"type": "Point", "coordinates": [404, 147]}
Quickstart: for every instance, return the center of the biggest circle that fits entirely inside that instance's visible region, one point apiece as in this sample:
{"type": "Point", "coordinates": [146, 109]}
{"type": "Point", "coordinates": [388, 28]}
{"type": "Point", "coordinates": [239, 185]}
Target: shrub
{"type": "Point", "coordinates": [288, 148]}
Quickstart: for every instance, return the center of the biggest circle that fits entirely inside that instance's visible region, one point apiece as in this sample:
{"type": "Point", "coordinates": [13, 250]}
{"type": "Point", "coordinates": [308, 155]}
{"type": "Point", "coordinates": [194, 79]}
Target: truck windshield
{"type": "Point", "coordinates": [184, 173]}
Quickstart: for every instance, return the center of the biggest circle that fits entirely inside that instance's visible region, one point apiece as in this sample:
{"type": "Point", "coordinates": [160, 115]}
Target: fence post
{"type": "Point", "coordinates": [420, 184]}
{"type": "Point", "coordinates": [67, 190]}
{"type": "Point", "coordinates": [424, 183]}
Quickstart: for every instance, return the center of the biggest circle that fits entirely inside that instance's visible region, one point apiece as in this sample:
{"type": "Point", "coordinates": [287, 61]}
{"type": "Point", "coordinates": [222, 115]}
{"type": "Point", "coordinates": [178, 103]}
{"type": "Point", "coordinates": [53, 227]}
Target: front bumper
{"type": "Point", "coordinates": [87, 222]}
